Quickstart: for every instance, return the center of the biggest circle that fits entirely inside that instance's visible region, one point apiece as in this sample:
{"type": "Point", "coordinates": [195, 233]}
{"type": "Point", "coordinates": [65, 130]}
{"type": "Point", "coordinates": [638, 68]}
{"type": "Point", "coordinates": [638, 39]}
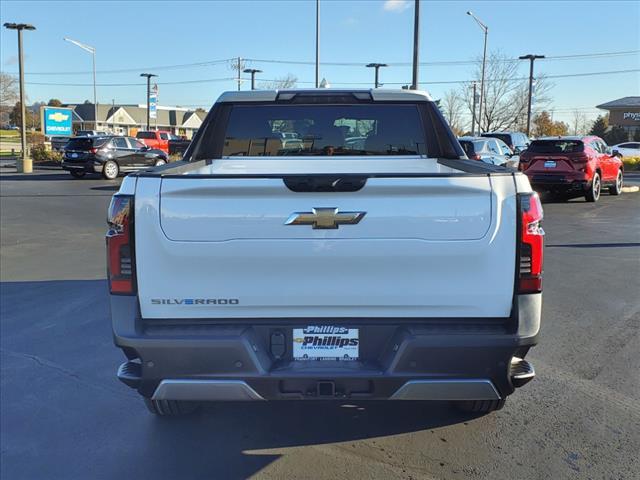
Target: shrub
{"type": "Point", "coordinates": [35, 138]}
{"type": "Point", "coordinates": [40, 154]}
{"type": "Point", "coordinates": [631, 163]}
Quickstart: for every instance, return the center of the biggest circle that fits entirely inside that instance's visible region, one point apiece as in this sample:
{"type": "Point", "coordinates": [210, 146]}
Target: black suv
{"type": "Point", "coordinates": [109, 155]}
{"type": "Point", "coordinates": [517, 141]}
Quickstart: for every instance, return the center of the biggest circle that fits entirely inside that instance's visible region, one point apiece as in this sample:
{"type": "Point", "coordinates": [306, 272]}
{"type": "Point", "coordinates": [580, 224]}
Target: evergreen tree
{"type": "Point", "coordinates": [599, 128]}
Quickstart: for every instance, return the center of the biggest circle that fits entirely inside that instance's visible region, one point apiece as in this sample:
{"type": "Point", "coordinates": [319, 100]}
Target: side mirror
{"type": "Point", "coordinates": [616, 153]}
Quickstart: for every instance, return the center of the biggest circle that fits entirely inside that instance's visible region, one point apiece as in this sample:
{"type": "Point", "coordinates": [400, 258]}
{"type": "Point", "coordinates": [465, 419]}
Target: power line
{"type": "Point", "coordinates": [335, 64]}
{"type": "Point", "coordinates": [445, 82]}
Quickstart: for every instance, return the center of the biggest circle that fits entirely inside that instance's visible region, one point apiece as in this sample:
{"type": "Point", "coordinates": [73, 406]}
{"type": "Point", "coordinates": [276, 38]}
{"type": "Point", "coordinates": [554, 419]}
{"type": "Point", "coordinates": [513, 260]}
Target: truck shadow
{"type": "Point", "coordinates": [60, 393]}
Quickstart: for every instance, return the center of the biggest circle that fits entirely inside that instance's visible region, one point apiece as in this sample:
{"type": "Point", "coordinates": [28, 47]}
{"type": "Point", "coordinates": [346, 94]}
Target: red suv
{"type": "Point", "coordinates": [564, 165]}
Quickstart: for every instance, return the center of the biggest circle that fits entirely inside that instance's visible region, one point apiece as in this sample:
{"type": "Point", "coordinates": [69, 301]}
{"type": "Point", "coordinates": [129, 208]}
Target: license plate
{"type": "Point", "coordinates": [74, 155]}
{"type": "Point", "coordinates": [550, 164]}
{"type": "Point", "coordinates": [325, 342]}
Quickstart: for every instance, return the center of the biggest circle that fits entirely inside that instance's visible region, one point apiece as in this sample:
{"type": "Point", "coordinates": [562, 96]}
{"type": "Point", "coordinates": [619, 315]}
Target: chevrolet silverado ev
{"type": "Point", "coordinates": [369, 259]}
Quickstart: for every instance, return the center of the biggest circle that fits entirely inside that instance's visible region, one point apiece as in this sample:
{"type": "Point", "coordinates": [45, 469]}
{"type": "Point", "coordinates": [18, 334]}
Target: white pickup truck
{"type": "Point", "coordinates": [367, 259]}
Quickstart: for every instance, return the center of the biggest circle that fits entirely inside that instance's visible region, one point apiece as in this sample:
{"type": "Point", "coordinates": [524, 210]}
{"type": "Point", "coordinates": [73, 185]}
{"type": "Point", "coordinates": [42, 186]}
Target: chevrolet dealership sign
{"type": "Point", "coordinates": [57, 121]}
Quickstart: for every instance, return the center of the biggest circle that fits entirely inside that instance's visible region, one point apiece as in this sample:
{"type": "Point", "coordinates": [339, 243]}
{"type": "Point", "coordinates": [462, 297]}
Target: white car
{"type": "Point", "coordinates": [628, 149]}
{"type": "Point", "coordinates": [393, 268]}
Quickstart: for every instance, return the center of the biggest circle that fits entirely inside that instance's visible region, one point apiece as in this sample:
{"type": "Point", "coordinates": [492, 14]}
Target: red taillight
{"type": "Point", "coordinates": [93, 150]}
{"type": "Point", "coordinates": [120, 264]}
{"type": "Point", "coordinates": [476, 157]}
{"type": "Point", "coordinates": [531, 243]}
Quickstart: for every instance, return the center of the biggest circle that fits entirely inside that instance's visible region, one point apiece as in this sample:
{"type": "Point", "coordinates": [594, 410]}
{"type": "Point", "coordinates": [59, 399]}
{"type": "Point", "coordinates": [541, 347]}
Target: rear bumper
{"type": "Point", "coordinates": [559, 181]}
{"type": "Point", "coordinates": [401, 359]}
{"type": "Point", "coordinates": [91, 166]}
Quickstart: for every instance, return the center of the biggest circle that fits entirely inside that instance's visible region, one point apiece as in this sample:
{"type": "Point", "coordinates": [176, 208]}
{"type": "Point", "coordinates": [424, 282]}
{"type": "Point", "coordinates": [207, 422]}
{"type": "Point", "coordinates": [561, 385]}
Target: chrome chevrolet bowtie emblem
{"type": "Point", "coordinates": [325, 218]}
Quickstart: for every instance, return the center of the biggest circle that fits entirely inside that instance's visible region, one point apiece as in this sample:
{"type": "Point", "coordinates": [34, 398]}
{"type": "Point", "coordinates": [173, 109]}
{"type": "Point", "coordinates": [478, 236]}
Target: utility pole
{"type": "Point", "coordinates": [485, 29]}
{"type": "Point", "coordinates": [473, 116]}
{"type": "Point", "coordinates": [532, 58]}
{"type": "Point", "coordinates": [239, 69]}
{"type": "Point", "coordinates": [377, 66]}
{"type": "Point", "coordinates": [25, 165]}
{"type": "Point", "coordinates": [416, 42]}
{"type": "Point", "coordinates": [148, 75]}
{"type": "Point", "coordinates": [317, 43]}
{"type": "Point", "coordinates": [253, 72]}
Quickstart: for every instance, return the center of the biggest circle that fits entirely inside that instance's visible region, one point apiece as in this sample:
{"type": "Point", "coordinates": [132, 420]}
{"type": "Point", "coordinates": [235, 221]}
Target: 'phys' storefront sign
{"type": "Point", "coordinates": [626, 117]}
{"type": "Point", "coordinates": [57, 121]}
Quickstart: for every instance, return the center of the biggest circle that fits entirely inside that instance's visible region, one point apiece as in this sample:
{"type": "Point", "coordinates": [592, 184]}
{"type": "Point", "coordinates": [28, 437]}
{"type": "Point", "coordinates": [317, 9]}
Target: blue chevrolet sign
{"type": "Point", "coordinates": [57, 121]}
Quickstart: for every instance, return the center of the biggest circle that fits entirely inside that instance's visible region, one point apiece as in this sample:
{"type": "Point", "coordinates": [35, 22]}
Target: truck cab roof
{"type": "Point", "coordinates": [375, 94]}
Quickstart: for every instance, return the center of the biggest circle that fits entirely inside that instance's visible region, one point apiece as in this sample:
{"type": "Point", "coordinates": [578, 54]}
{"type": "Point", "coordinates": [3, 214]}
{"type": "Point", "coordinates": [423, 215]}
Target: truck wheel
{"type": "Point", "coordinates": [616, 189]}
{"type": "Point", "coordinates": [77, 174]}
{"type": "Point", "coordinates": [110, 170]}
{"type": "Point", "coordinates": [593, 193]}
{"type": "Point", "coordinates": [170, 408]}
{"type": "Point", "coordinates": [480, 406]}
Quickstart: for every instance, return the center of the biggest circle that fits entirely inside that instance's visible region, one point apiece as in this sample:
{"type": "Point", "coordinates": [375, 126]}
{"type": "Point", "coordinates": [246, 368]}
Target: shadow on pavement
{"type": "Point", "coordinates": [60, 395]}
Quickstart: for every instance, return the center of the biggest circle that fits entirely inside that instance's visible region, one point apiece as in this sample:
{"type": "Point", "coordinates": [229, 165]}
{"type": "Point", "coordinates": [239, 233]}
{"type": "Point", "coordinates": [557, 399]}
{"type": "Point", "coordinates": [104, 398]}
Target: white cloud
{"type": "Point", "coordinates": [396, 5]}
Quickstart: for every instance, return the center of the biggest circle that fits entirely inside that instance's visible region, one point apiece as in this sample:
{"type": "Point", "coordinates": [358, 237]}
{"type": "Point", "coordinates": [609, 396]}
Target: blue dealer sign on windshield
{"type": "Point", "coordinates": [57, 121]}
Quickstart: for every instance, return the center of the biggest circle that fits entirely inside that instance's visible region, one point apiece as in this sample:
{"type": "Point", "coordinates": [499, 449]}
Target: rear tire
{"type": "Point", "coordinates": [110, 170]}
{"type": "Point", "coordinates": [480, 406]}
{"type": "Point", "coordinates": [593, 193]}
{"type": "Point", "coordinates": [77, 174]}
{"type": "Point", "coordinates": [616, 189]}
{"type": "Point", "coordinates": [170, 408]}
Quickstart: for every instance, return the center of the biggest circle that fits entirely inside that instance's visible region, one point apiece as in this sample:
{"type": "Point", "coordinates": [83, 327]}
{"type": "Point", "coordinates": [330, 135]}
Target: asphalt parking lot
{"type": "Point", "coordinates": [66, 416]}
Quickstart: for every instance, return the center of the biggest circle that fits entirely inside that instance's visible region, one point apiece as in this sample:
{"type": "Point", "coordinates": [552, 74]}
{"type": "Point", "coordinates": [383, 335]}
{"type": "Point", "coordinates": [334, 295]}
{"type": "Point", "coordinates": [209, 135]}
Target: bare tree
{"type": "Point", "coordinates": [506, 94]}
{"type": "Point", "coordinates": [8, 96]}
{"type": "Point", "coordinates": [579, 123]}
{"type": "Point", "coordinates": [452, 106]}
{"type": "Point", "coordinates": [280, 83]}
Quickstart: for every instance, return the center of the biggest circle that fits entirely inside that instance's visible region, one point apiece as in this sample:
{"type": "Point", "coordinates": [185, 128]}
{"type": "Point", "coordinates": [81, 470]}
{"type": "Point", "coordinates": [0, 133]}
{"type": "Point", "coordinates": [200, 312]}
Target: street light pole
{"type": "Point", "coordinates": [377, 66]}
{"type": "Point", "coordinates": [416, 42]}
{"type": "Point", "coordinates": [532, 58]}
{"type": "Point", "coordinates": [25, 165]}
{"type": "Point", "coordinates": [317, 43]}
{"type": "Point", "coordinates": [92, 51]}
{"type": "Point", "coordinates": [253, 72]}
{"type": "Point", "coordinates": [485, 29]}
{"type": "Point", "coordinates": [148, 75]}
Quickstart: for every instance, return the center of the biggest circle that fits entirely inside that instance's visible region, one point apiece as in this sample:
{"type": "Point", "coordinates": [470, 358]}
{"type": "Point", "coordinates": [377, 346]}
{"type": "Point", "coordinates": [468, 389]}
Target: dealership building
{"type": "Point", "coordinates": [128, 119]}
{"type": "Point", "coordinates": [624, 113]}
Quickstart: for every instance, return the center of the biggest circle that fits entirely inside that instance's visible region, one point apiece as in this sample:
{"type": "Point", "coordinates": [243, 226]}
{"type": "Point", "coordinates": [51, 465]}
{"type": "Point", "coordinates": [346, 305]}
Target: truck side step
{"type": "Point", "coordinates": [130, 373]}
{"type": "Point", "coordinates": [521, 372]}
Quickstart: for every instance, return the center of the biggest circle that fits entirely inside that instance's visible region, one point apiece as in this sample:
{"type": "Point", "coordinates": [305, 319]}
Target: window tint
{"type": "Point", "coordinates": [120, 143]}
{"type": "Point", "coordinates": [146, 135]}
{"type": "Point", "coordinates": [164, 136]}
{"type": "Point", "coordinates": [467, 146]}
{"type": "Point", "coordinates": [556, 146]}
{"type": "Point", "coordinates": [480, 146]}
{"type": "Point", "coordinates": [493, 147]}
{"type": "Point", "coordinates": [334, 130]}
{"type": "Point", "coordinates": [632, 145]}
{"type": "Point", "coordinates": [85, 143]}
{"type": "Point", "coordinates": [135, 144]}
{"type": "Point", "coordinates": [505, 137]}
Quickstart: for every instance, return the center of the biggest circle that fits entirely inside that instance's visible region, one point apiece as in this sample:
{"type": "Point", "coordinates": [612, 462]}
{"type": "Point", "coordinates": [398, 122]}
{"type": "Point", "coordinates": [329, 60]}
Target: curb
{"type": "Point", "coordinates": [632, 189]}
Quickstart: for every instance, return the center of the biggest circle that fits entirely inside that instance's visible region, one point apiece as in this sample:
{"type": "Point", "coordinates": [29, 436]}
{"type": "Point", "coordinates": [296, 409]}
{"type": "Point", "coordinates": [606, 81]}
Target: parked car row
{"type": "Point", "coordinates": [563, 166]}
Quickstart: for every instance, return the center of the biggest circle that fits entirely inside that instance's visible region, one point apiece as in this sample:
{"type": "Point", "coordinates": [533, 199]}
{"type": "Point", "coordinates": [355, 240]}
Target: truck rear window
{"type": "Point", "coordinates": [324, 130]}
{"type": "Point", "coordinates": [146, 135]}
{"type": "Point", "coordinates": [556, 146]}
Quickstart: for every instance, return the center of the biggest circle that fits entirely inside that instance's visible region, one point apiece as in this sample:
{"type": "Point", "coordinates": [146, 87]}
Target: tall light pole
{"type": "Point", "coordinates": [416, 42]}
{"type": "Point", "coordinates": [148, 75]}
{"type": "Point", "coordinates": [92, 51]}
{"type": "Point", "coordinates": [317, 43]}
{"type": "Point", "coordinates": [532, 58]}
{"type": "Point", "coordinates": [253, 72]}
{"type": "Point", "coordinates": [25, 165]}
{"type": "Point", "coordinates": [377, 66]}
{"type": "Point", "coordinates": [485, 29]}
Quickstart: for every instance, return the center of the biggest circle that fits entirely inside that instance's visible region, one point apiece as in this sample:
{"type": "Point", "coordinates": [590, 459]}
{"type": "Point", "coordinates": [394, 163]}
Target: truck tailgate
{"type": "Point", "coordinates": [425, 247]}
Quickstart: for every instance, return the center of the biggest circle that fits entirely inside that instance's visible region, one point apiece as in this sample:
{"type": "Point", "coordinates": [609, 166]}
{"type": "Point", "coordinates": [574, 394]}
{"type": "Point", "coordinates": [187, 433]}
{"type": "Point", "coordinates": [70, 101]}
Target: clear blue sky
{"type": "Point", "coordinates": [138, 35]}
